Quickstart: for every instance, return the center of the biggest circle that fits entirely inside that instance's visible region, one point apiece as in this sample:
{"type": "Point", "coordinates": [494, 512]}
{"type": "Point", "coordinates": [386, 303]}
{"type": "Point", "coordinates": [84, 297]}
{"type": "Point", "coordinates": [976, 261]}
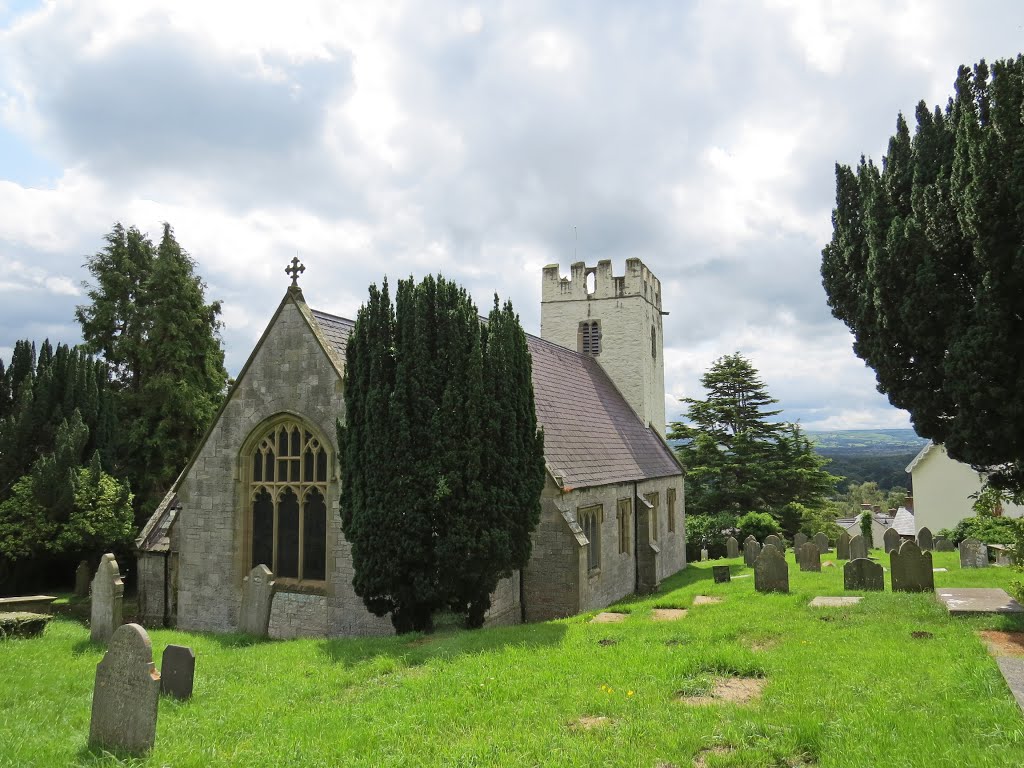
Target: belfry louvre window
{"type": "Point", "coordinates": [588, 338]}
{"type": "Point", "coordinates": [590, 521]}
{"type": "Point", "coordinates": [288, 499]}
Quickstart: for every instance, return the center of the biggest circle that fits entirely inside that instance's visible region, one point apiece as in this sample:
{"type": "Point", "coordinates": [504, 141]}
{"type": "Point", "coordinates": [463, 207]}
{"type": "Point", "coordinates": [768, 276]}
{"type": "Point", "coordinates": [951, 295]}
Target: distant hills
{"type": "Point", "coordinates": [869, 455]}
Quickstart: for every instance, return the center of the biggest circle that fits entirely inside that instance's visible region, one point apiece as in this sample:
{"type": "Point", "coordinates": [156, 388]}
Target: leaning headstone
{"type": "Point", "coordinates": [751, 549]}
{"type": "Point", "coordinates": [703, 555]}
{"type": "Point", "coordinates": [863, 574]}
{"type": "Point", "coordinates": [177, 671]}
{"type": "Point", "coordinates": [775, 541]}
{"type": "Point", "coordinates": [257, 595]}
{"type": "Point", "coordinates": [810, 557]}
{"type": "Point", "coordinates": [125, 697]}
{"type": "Point", "coordinates": [911, 569]}
{"type": "Point", "coordinates": [732, 547]}
{"type": "Point", "coordinates": [973, 554]}
{"type": "Point", "coordinates": [942, 544]}
{"type": "Point", "coordinates": [924, 539]}
{"type": "Point", "coordinates": [771, 571]}
{"type": "Point", "coordinates": [843, 546]}
{"type": "Point", "coordinates": [821, 539]}
{"type": "Point", "coordinates": [891, 540]}
{"type": "Point", "coordinates": [798, 541]}
{"type": "Point", "coordinates": [858, 547]}
{"type": "Point", "coordinates": [721, 573]}
{"type": "Point", "coordinates": [83, 575]}
{"type": "Point", "coordinates": [107, 594]}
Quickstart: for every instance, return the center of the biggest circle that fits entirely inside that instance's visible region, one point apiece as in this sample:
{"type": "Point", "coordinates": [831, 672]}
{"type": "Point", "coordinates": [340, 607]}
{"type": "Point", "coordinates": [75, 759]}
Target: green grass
{"type": "Point", "coordinates": [845, 687]}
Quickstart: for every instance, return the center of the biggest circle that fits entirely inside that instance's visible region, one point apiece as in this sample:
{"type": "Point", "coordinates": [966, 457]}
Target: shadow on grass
{"type": "Point", "coordinates": [417, 648]}
{"type": "Point", "coordinates": [238, 640]}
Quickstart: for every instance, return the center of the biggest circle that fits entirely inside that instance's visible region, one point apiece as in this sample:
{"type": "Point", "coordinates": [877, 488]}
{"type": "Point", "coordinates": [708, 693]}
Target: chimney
{"type": "Point", "coordinates": [909, 503]}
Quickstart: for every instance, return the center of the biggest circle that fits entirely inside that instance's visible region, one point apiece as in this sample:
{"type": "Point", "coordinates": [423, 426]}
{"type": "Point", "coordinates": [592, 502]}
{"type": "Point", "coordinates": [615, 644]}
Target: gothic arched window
{"type": "Point", "coordinates": [288, 503]}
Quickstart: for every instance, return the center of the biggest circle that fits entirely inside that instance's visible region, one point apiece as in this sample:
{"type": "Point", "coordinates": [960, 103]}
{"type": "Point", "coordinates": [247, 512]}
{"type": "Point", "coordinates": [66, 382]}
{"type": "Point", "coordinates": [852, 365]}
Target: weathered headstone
{"type": "Point", "coordinates": [911, 569]}
{"type": "Point", "coordinates": [125, 697]}
{"type": "Point", "coordinates": [703, 555]}
{"type": "Point", "coordinates": [107, 594]}
{"type": "Point", "coordinates": [83, 575]}
{"type": "Point", "coordinates": [973, 554]}
{"type": "Point", "coordinates": [843, 546]}
{"type": "Point", "coordinates": [775, 541]}
{"type": "Point", "coordinates": [257, 595]}
{"type": "Point", "coordinates": [891, 540]}
{"type": "Point", "coordinates": [721, 573]}
{"type": "Point", "coordinates": [798, 541]}
{"type": "Point", "coordinates": [750, 537]}
{"type": "Point", "coordinates": [924, 539]}
{"type": "Point", "coordinates": [942, 544]}
{"type": "Point", "coordinates": [177, 671]}
{"type": "Point", "coordinates": [821, 539]}
{"type": "Point", "coordinates": [771, 571]}
{"type": "Point", "coordinates": [858, 547]}
{"type": "Point", "coordinates": [863, 574]}
{"type": "Point", "coordinates": [810, 557]}
{"type": "Point", "coordinates": [751, 549]}
{"type": "Point", "coordinates": [732, 547]}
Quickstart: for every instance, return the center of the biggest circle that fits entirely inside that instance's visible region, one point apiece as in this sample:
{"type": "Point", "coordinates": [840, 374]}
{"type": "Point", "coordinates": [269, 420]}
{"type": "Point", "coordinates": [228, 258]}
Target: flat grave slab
{"type": "Point", "coordinates": [967, 602]}
{"type": "Point", "coordinates": [833, 602]}
{"type": "Point", "coordinates": [940, 570]}
{"type": "Point", "coordinates": [706, 600]}
{"type": "Point", "coordinates": [668, 614]}
{"type": "Point", "coordinates": [1013, 670]}
{"type": "Point", "coordinates": [607, 617]}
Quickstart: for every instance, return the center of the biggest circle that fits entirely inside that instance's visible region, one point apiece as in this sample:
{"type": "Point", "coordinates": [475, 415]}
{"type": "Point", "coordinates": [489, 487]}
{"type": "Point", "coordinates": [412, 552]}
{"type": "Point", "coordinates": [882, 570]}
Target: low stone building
{"type": "Point", "coordinates": [264, 484]}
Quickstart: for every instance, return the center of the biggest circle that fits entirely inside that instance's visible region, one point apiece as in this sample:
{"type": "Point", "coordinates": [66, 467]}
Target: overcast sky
{"type": "Point", "coordinates": [479, 141]}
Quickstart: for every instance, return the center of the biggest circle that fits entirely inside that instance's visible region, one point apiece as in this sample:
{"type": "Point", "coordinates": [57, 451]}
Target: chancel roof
{"type": "Point", "coordinates": [591, 434]}
{"type": "Point", "coordinates": [155, 535]}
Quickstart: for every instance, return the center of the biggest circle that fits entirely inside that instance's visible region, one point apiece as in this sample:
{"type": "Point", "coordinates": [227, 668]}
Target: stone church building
{"type": "Point", "coordinates": [263, 486]}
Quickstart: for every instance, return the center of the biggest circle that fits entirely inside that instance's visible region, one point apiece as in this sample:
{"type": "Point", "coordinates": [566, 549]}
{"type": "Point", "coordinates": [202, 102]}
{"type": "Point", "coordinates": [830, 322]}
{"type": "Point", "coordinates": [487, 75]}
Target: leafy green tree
{"type": "Point", "coordinates": [757, 524]}
{"type": "Point", "coordinates": [150, 321]}
{"type": "Point", "coordinates": [738, 460]}
{"type": "Point", "coordinates": [430, 389]}
{"type": "Point", "coordinates": [926, 268]}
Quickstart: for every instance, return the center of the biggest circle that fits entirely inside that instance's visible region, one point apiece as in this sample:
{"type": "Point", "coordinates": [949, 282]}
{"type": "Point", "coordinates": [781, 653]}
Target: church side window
{"type": "Point", "coordinates": [588, 337]}
{"type": "Point", "coordinates": [670, 503]}
{"type": "Point", "coordinates": [624, 517]}
{"type": "Point", "coordinates": [288, 493]}
{"type": "Point", "coordinates": [654, 343]}
{"type": "Point", "coordinates": [653, 499]}
{"type": "Point", "coordinates": [590, 521]}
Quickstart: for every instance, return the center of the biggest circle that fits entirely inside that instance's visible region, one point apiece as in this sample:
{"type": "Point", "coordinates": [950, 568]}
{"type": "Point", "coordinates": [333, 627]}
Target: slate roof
{"type": "Point", "coordinates": [155, 536]}
{"type": "Point", "coordinates": [591, 434]}
{"type": "Point", "coordinates": [904, 522]}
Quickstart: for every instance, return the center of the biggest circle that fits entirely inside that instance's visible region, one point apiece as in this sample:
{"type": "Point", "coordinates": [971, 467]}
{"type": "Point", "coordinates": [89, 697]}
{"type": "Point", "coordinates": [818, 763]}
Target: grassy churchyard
{"type": "Point", "coordinates": [892, 681]}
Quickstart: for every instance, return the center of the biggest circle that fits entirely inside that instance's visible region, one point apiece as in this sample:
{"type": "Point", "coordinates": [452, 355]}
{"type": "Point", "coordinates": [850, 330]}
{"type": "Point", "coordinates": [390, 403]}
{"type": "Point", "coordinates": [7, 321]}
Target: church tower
{"type": "Point", "coordinates": [616, 320]}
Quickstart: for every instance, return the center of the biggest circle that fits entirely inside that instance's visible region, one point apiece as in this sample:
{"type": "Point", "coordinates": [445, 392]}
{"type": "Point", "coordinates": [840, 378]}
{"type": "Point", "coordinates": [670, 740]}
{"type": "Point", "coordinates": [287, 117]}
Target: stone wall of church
{"type": "Point", "coordinates": [289, 373]}
{"type": "Point", "coordinates": [557, 581]}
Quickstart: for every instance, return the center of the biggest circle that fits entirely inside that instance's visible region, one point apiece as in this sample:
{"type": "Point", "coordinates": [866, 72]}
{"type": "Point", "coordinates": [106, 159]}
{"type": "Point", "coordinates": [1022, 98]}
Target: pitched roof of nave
{"type": "Point", "coordinates": [591, 434]}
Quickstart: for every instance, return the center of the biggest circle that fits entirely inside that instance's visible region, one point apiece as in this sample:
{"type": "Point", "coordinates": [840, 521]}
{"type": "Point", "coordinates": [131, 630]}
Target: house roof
{"type": "Point", "coordinates": [904, 522]}
{"type": "Point", "coordinates": [920, 457]}
{"type": "Point", "coordinates": [591, 434]}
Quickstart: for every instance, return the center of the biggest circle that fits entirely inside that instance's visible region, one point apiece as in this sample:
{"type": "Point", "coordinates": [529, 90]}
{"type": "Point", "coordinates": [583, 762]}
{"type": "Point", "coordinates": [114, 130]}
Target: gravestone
{"type": "Point", "coordinates": [798, 541]}
{"type": "Point", "coordinates": [721, 573]}
{"type": "Point", "coordinates": [732, 547]}
{"type": "Point", "coordinates": [126, 693]}
{"type": "Point", "coordinates": [750, 537]}
{"type": "Point", "coordinates": [771, 571]}
{"type": "Point", "coordinates": [911, 569]}
{"type": "Point", "coordinates": [751, 549]}
{"type": "Point", "coordinates": [703, 555]}
{"type": "Point", "coordinates": [891, 540]}
{"type": "Point", "coordinates": [775, 541]}
{"type": "Point", "coordinates": [843, 546]}
{"type": "Point", "coordinates": [177, 671]}
{"type": "Point", "coordinates": [942, 544]}
{"type": "Point", "coordinates": [810, 557]}
{"type": "Point", "coordinates": [924, 539]}
{"type": "Point", "coordinates": [863, 574]}
{"type": "Point", "coordinates": [858, 547]}
{"type": "Point", "coordinates": [257, 595]}
{"type": "Point", "coordinates": [107, 594]}
{"type": "Point", "coordinates": [821, 539]}
{"type": "Point", "coordinates": [83, 575]}
{"type": "Point", "coordinates": [973, 554]}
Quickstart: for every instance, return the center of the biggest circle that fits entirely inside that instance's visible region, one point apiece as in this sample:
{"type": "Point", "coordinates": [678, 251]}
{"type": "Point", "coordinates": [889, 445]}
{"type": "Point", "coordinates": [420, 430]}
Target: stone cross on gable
{"type": "Point", "coordinates": [293, 271]}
